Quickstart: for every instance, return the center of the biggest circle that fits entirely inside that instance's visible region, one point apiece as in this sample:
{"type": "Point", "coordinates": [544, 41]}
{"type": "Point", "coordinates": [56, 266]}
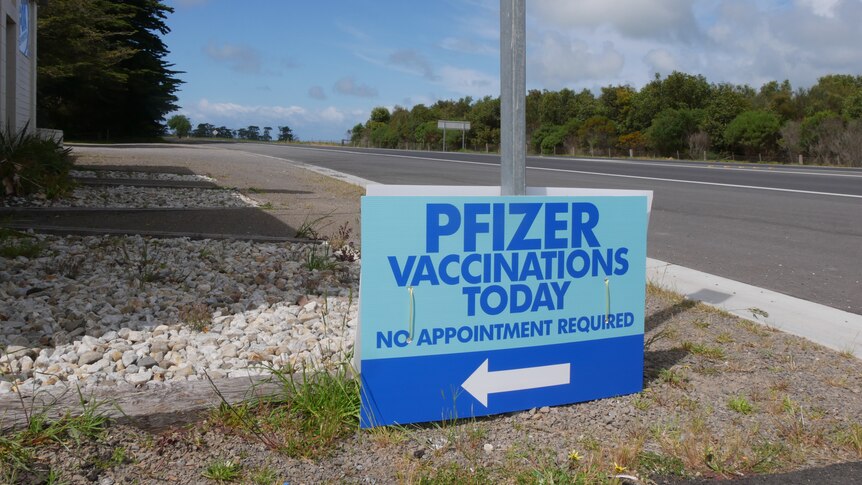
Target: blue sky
{"type": "Point", "coordinates": [321, 66]}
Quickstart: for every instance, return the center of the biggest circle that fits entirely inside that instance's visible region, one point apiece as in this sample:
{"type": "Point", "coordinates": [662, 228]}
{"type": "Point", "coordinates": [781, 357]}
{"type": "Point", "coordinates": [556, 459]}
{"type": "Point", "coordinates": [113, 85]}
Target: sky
{"type": "Point", "coordinates": [321, 66]}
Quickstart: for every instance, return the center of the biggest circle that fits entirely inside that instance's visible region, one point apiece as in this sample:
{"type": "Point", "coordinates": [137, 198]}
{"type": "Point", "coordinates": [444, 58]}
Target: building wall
{"type": "Point", "coordinates": [17, 70]}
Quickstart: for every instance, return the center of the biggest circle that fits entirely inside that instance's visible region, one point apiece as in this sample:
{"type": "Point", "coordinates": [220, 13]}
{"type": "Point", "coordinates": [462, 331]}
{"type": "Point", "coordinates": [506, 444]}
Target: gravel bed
{"type": "Point", "coordinates": [128, 311]}
{"type": "Point", "coordinates": [125, 197]}
{"type": "Point", "coordinates": [118, 174]}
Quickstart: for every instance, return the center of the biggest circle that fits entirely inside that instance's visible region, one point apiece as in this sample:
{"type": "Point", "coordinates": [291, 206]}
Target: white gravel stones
{"type": "Point", "coordinates": [130, 311]}
{"type": "Point", "coordinates": [125, 197]}
{"type": "Point", "coordinates": [122, 175]}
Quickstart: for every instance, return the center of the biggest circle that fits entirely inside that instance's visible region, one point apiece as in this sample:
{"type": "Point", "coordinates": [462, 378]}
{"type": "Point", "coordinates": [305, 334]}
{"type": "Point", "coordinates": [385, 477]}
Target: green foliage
{"type": "Point", "coordinates": [19, 449]}
{"type": "Point", "coordinates": [380, 114]}
{"type": "Point", "coordinates": [102, 72]}
{"type": "Point", "coordinates": [305, 420]}
{"type": "Point", "coordinates": [598, 132]}
{"type": "Point", "coordinates": [181, 125]}
{"type": "Point", "coordinates": [740, 405]}
{"type": "Point", "coordinates": [31, 164]}
{"type": "Point", "coordinates": [671, 128]}
{"type": "Point", "coordinates": [223, 471]}
{"type": "Point", "coordinates": [755, 131]}
{"type": "Point", "coordinates": [285, 134]}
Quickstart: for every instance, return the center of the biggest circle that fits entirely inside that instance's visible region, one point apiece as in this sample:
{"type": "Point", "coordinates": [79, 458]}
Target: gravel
{"type": "Point", "coordinates": [127, 311]}
{"type": "Point", "coordinates": [124, 175]}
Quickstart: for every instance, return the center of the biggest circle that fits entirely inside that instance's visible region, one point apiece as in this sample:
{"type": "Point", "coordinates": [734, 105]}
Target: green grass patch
{"type": "Point", "coordinates": [30, 164]}
{"type": "Point", "coordinates": [313, 411]}
{"type": "Point", "coordinates": [19, 449]}
{"type": "Point", "coordinates": [704, 350]}
{"type": "Point", "coordinates": [661, 465]}
{"type": "Point", "coordinates": [223, 471]}
{"type": "Point", "coordinates": [740, 405]}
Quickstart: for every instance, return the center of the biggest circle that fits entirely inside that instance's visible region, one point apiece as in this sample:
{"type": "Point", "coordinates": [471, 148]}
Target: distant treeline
{"type": "Point", "coordinates": [681, 115]}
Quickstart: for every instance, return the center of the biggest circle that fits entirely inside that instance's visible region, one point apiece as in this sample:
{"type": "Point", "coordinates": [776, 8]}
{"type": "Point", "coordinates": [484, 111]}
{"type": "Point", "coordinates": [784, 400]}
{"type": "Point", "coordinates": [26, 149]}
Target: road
{"type": "Point", "coordinates": [792, 229]}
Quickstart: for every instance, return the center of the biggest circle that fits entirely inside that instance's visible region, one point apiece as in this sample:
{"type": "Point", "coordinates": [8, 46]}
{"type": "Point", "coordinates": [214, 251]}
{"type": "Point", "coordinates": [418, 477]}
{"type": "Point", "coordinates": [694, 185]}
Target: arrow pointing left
{"type": "Point", "coordinates": [482, 382]}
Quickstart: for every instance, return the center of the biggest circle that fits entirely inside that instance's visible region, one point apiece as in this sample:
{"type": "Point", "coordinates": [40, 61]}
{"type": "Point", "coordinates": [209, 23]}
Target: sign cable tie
{"type": "Point", "coordinates": [607, 300]}
{"type": "Point", "coordinates": [410, 317]}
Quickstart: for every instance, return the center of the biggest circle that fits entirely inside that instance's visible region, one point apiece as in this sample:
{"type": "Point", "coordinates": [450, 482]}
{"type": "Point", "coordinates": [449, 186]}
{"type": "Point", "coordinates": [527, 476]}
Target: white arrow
{"type": "Point", "coordinates": [481, 382]}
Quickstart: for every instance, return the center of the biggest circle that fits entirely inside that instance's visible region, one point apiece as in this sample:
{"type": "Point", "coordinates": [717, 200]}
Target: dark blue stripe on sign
{"type": "Point", "coordinates": [420, 389]}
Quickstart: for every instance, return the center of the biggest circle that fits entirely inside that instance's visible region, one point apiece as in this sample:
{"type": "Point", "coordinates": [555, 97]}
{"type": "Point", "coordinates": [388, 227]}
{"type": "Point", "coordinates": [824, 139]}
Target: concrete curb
{"type": "Point", "coordinates": [827, 326]}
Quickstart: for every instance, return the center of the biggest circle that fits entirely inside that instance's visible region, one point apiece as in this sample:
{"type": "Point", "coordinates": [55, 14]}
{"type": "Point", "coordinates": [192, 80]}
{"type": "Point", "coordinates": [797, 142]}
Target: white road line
{"type": "Point", "coordinates": [583, 172]}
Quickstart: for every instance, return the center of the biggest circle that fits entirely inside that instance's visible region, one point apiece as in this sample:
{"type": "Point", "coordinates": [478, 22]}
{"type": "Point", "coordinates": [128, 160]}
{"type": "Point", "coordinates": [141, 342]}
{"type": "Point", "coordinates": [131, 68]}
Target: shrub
{"type": "Point", "coordinates": [31, 164]}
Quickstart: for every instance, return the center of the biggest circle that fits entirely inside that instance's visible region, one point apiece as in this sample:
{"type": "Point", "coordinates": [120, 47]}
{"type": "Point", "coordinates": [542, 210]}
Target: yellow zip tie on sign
{"type": "Point", "coordinates": [410, 319]}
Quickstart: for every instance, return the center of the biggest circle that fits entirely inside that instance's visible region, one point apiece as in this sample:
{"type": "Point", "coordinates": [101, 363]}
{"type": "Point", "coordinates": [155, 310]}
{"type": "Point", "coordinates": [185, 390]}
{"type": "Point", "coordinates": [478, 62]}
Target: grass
{"type": "Point", "coordinates": [319, 261]}
{"type": "Point", "coordinates": [30, 164]}
{"type": "Point", "coordinates": [740, 405]}
{"type": "Point", "coordinates": [310, 228]}
{"type": "Point", "coordinates": [704, 350]}
{"type": "Point", "coordinates": [223, 471]}
{"type": "Point", "coordinates": [306, 418]}
{"type": "Point", "coordinates": [18, 450]}
{"type": "Point", "coordinates": [852, 438]}
{"type": "Point", "coordinates": [15, 243]}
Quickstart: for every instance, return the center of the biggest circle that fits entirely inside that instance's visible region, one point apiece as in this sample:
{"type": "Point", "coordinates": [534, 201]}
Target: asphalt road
{"type": "Point", "coordinates": [792, 229]}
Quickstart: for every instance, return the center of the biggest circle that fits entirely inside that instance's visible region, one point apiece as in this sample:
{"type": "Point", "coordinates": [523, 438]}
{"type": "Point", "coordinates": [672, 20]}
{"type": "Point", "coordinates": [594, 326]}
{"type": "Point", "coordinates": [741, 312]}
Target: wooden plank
{"type": "Point", "coordinates": [154, 407]}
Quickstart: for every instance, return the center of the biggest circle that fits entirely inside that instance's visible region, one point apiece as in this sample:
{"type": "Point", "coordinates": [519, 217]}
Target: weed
{"type": "Point", "coordinates": [641, 402]}
{"type": "Point", "coordinates": [263, 476]}
{"type": "Point", "coordinates": [847, 353]}
{"type": "Point", "coordinates": [310, 229]}
{"type": "Point", "coordinates": [852, 438]}
{"type": "Point", "coordinates": [30, 164]}
{"type": "Point", "coordinates": [196, 316]}
{"type": "Point", "coordinates": [724, 338]}
{"type": "Point", "coordinates": [672, 377]}
{"type": "Point", "coordinates": [266, 206]}
{"type": "Point", "coordinates": [255, 190]}
{"type": "Point", "coordinates": [701, 324]}
{"type": "Point", "coordinates": [17, 450]}
{"type": "Point", "coordinates": [16, 243]}
{"type": "Point", "coordinates": [312, 411]}
{"type": "Point", "coordinates": [658, 464]}
{"type": "Point", "coordinates": [753, 327]}
{"type": "Point", "coordinates": [704, 350]}
{"type": "Point", "coordinates": [758, 313]}
{"type": "Point", "coordinates": [315, 261]}
{"type": "Point", "coordinates": [147, 264]}
{"type": "Point", "coordinates": [69, 266]}
{"type": "Point", "coordinates": [740, 405]}
{"type": "Point", "coordinates": [223, 471]}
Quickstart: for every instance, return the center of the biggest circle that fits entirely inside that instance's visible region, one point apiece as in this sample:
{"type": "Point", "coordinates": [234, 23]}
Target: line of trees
{"type": "Point", "coordinates": [102, 72]}
{"type": "Point", "coordinates": [681, 115]}
{"type": "Point", "coordinates": [182, 127]}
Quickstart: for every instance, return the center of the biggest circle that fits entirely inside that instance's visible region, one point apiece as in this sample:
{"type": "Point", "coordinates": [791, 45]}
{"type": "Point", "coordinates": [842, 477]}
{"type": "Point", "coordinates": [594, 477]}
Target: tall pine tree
{"type": "Point", "coordinates": [102, 68]}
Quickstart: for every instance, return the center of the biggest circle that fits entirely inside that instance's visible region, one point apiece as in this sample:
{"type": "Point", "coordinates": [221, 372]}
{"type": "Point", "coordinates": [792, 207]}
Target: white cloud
{"type": "Point", "coordinates": [560, 61]}
{"type": "Point", "coordinates": [823, 8]}
{"type": "Point", "coordinates": [468, 82]}
{"type": "Point", "coordinates": [238, 57]}
{"type": "Point", "coordinates": [349, 86]}
{"type": "Point", "coordinates": [655, 19]}
{"type": "Point", "coordinates": [661, 61]}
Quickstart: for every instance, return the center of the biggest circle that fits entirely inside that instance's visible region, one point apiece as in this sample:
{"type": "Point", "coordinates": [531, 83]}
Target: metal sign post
{"type": "Point", "coordinates": [513, 88]}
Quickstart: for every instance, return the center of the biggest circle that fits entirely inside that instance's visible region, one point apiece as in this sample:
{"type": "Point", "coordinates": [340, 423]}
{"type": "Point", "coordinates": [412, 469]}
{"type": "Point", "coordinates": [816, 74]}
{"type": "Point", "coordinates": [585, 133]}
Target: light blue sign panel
{"type": "Point", "coordinates": [482, 305]}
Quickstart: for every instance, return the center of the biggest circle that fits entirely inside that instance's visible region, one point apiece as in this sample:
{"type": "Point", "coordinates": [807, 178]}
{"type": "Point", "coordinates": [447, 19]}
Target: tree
{"type": "Point", "coordinates": [223, 132]}
{"type": "Point", "coordinates": [671, 129]}
{"type": "Point", "coordinates": [380, 114]}
{"type": "Point", "coordinates": [266, 136]}
{"type": "Point", "coordinates": [101, 68]}
{"type": "Point", "coordinates": [285, 134]}
{"type": "Point", "coordinates": [203, 130]}
{"type": "Point", "coordinates": [755, 131]}
{"type": "Point", "coordinates": [181, 125]}
{"type": "Point", "coordinates": [598, 132]}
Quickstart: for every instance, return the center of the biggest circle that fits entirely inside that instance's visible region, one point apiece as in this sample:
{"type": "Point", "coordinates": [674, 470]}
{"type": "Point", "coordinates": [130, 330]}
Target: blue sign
{"type": "Point", "coordinates": [472, 306]}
